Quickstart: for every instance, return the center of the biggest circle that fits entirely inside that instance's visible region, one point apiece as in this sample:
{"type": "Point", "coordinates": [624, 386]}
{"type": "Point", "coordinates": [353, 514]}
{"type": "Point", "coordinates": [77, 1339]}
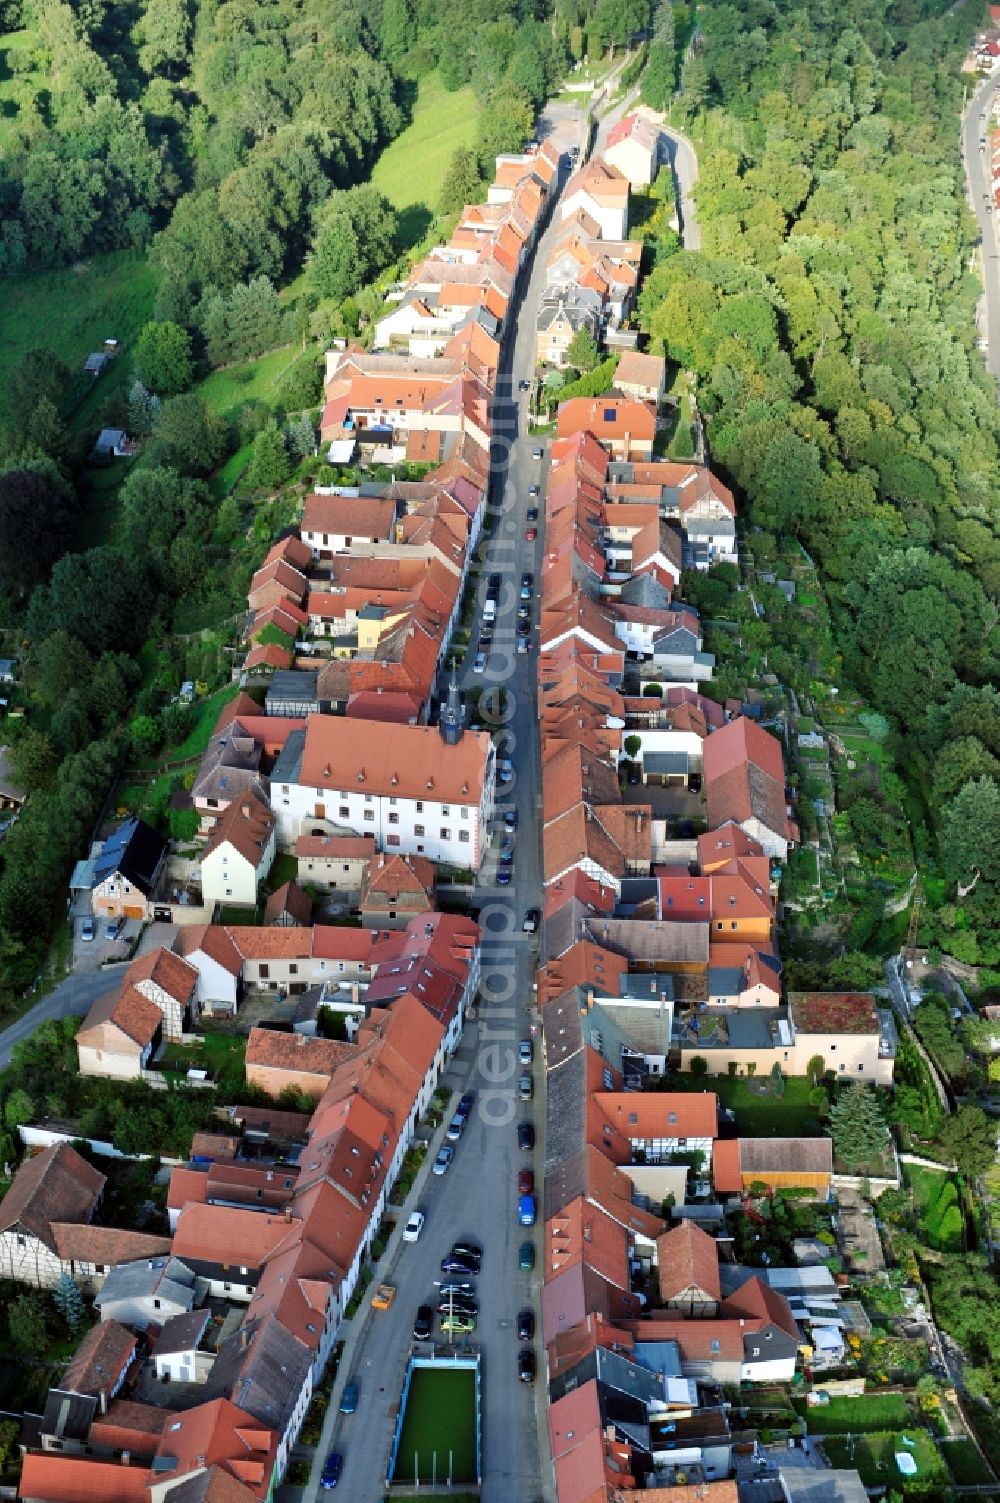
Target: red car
{"type": "Point", "coordinates": [525, 1181]}
{"type": "Point", "coordinates": [530, 534]}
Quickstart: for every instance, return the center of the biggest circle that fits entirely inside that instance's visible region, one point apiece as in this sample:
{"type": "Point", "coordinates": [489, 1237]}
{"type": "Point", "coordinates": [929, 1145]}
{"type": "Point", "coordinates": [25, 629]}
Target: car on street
{"type": "Point", "coordinates": [479, 666]}
{"type": "Point", "coordinates": [458, 1325]}
{"type": "Point", "coordinates": [523, 645]}
{"type": "Point", "coordinates": [525, 1089]}
{"type": "Point", "coordinates": [532, 514]}
{"type": "Point", "coordinates": [503, 876]}
{"type": "Point", "coordinates": [526, 1210]}
{"type": "Point", "coordinates": [536, 453]}
{"type": "Point", "coordinates": [505, 769]}
{"type": "Point", "coordinates": [525, 591]}
{"type": "Point", "coordinates": [87, 930]}
{"type": "Point", "coordinates": [525, 1051]}
{"type": "Point", "coordinates": [525, 1181]}
{"type": "Point", "coordinates": [530, 534]}
{"type": "Point", "coordinates": [523, 385]}
{"type": "Point", "coordinates": [456, 1126]}
{"type": "Point", "coordinates": [526, 1257]}
{"type": "Point", "coordinates": [457, 1286]}
{"type": "Point", "coordinates": [486, 637]}
{"type": "Point", "coordinates": [532, 490]}
{"type": "Point", "coordinates": [114, 929]}
{"type": "Point", "coordinates": [526, 1135]}
{"type": "Point", "coordinates": [523, 615]}
{"type": "Point", "coordinates": [510, 819]}
{"type": "Point", "coordinates": [330, 1475]}
{"type": "Point", "coordinates": [466, 1102]}
{"type": "Point", "coordinates": [526, 1365]}
{"type": "Point", "coordinates": [423, 1325]}
{"type": "Point", "coordinates": [442, 1163]}
{"type": "Point", "coordinates": [525, 1325]}
{"type": "Point", "coordinates": [467, 1250]}
{"type": "Point", "coordinates": [455, 1264]}
{"type": "Point", "coordinates": [530, 921]}
{"type": "Point", "coordinates": [349, 1399]}
{"type": "Point", "coordinates": [413, 1228]}
{"type": "Point", "coordinates": [458, 1304]}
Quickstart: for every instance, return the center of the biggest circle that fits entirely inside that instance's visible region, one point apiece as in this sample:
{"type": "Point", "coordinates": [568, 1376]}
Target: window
{"type": "Point", "coordinates": [213, 803]}
{"type": "Point", "coordinates": [392, 840]}
{"type": "Point", "coordinates": [715, 1347]}
{"type": "Point", "coordinates": [368, 798]}
{"type": "Point", "coordinates": [463, 837]}
{"type": "Point", "coordinates": [420, 806]}
{"type": "Point", "coordinates": [465, 811]}
{"type": "Point", "coordinates": [671, 1116]}
{"type": "Point", "coordinates": [833, 1048]}
{"type": "Point", "coordinates": [418, 830]}
{"type": "Point", "coordinates": [755, 1351]}
{"type": "Point", "coordinates": [156, 1304]}
{"type": "Point", "coordinates": [394, 819]}
{"type": "Point", "coordinates": [445, 811]}
{"type": "Point", "coordinates": [370, 816]}
{"type": "Point", "coordinates": [293, 970]}
{"type": "Point", "coordinates": [445, 834]}
{"type": "Point", "coordinates": [344, 811]}
{"type": "Point", "coordinates": [264, 972]}
{"type": "Point", "coordinates": [229, 892]}
{"type": "Point", "coordinates": [392, 799]}
{"type": "Point", "coordinates": [862, 1069]}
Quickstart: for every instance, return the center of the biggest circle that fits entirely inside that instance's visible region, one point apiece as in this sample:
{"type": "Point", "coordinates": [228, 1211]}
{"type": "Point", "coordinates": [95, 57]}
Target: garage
{"type": "Point", "coordinates": [134, 911]}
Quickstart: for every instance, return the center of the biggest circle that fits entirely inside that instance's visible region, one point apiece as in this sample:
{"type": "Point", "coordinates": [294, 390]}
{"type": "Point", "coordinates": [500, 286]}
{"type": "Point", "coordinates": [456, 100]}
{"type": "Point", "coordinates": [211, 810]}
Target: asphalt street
{"type": "Point", "coordinates": [978, 168]}
{"type": "Point", "coordinates": [74, 996]}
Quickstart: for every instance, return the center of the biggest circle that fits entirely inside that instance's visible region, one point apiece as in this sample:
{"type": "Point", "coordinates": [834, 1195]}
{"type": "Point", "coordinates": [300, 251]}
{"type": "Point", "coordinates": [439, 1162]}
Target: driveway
{"type": "Point", "coordinates": [977, 170]}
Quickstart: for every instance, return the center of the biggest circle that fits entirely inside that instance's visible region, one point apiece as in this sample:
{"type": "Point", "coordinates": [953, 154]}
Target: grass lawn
{"type": "Point", "coordinates": [758, 1113]}
{"type": "Point", "coordinates": [440, 1417]}
{"type": "Point", "coordinates": [874, 1458]}
{"type": "Point", "coordinates": [411, 169]}
{"type": "Point", "coordinates": [926, 1187]}
{"type": "Point", "coordinates": [845, 1416]}
{"type": "Point", "coordinates": [206, 713]}
{"type": "Point", "coordinates": [254, 381]}
{"type": "Point", "coordinates": [964, 1461]}
{"type": "Point", "coordinates": [72, 312]}
{"type": "Point", "coordinates": [221, 1054]}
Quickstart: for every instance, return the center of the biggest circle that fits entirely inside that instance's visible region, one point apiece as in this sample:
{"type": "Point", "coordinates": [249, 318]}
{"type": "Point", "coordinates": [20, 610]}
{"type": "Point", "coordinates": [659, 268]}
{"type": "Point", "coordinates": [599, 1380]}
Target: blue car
{"type": "Point", "coordinates": [503, 876]}
{"type": "Point", "coordinates": [349, 1401]}
{"type": "Point", "coordinates": [526, 1210]}
{"type": "Point", "coordinates": [330, 1475]}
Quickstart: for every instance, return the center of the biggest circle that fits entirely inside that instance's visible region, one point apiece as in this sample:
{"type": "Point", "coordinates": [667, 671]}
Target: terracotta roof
{"type": "Point", "coordinates": [260, 942]}
{"type": "Point", "coordinates": [130, 1426]}
{"type": "Point", "coordinates": [135, 1015]}
{"type": "Point", "coordinates": [213, 1485]}
{"type": "Point", "coordinates": [247, 825]}
{"type": "Point", "coordinates": [717, 847]}
{"type": "Point", "coordinates": [635, 127]}
{"type": "Point", "coordinates": [56, 1185]}
{"type": "Point", "coordinates": [739, 742]}
{"type": "Point", "coordinates": [177, 977]}
{"type": "Point", "coordinates": [289, 898]}
{"type": "Point", "coordinates": [344, 847]}
{"type": "Point", "coordinates": [99, 1361]}
{"type": "Point", "coordinates": [353, 516]}
{"type": "Point", "coordinates": [606, 418]}
{"type": "Point", "coordinates": [222, 1234]}
{"type": "Point", "coordinates": [394, 879]}
{"type": "Point", "coordinates": [105, 1245]}
{"type": "Point", "coordinates": [219, 1433]}
{"type": "Point", "coordinates": [834, 1012]}
{"type": "Point", "coordinates": [292, 550]}
{"type": "Point", "coordinates": [77, 1479]}
{"type": "Point", "coordinates": [411, 763]}
{"type": "Point", "coordinates": [661, 1114]}
{"type": "Point", "coordinates": [705, 1492]}
{"type": "Point", "coordinates": [726, 1176]}
{"type": "Point", "coordinates": [267, 655]}
{"type": "Point", "coordinates": [688, 1258]}
{"type": "Point", "coordinates": [760, 1302]}
{"type": "Point", "coordinates": [214, 941]}
{"type": "Point", "coordinates": [268, 1049]}
{"type": "Point", "coordinates": [582, 1233]}
{"type": "Point", "coordinates": [640, 370]}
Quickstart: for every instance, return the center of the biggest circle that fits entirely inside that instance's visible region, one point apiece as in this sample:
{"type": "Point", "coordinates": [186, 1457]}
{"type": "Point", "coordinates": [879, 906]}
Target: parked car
{"type": "Point", "coordinates": [526, 1365]}
{"type": "Point", "coordinates": [523, 645]}
{"type": "Point", "coordinates": [503, 876]}
{"type": "Point", "coordinates": [510, 819]}
{"type": "Point", "coordinates": [424, 1323]}
{"type": "Point", "coordinates": [456, 1126]}
{"type": "Point", "coordinates": [525, 1181]}
{"type": "Point", "coordinates": [458, 1304]}
{"type": "Point", "coordinates": [505, 770]}
{"type": "Point", "coordinates": [456, 1264]}
{"type": "Point", "coordinates": [536, 453]}
{"type": "Point", "coordinates": [526, 1257]}
{"type": "Point", "coordinates": [462, 1287]}
{"type": "Point", "coordinates": [458, 1325]}
{"type": "Point", "coordinates": [532, 514]}
{"type": "Point", "coordinates": [330, 1475]}
{"type": "Point", "coordinates": [442, 1163]}
{"type": "Point", "coordinates": [494, 580]}
{"type": "Point", "coordinates": [468, 1250]}
{"type": "Point", "coordinates": [479, 666]}
{"type": "Point", "coordinates": [383, 1296]}
{"type": "Point", "coordinates": [413, 1228]}
{"type": "Point", "coordinates": [525, 1051]}
{"type": "Point", "coordinates": [523, 385]}
{"type": "Point", "coordinates": [87, 930]}
{"type": "Point", "coordinates": [525, 1087]}
{"type": "Point", "coordinates": [525, 1325]}
{"type": "Point", "coordinates": [466, 1102]}
{"type": "Point", "coordinates": [532, 490]}
{"type": "Point", "coordinates": [349, 1399]}
{"type": "Point", "coordinates": [526, 1210]}
{"type": "Point", "coordinates": [526, 1135]}
{"type": "Point", "coordinates": [114, 929]}
{"type": "Point", "coordinates": [530, 534]}
{"type": "Point", "coordinates": [530, 921]}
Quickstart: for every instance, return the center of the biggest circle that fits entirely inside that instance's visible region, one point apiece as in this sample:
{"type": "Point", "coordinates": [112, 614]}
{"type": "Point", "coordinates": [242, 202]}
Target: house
{"type": "Point", "coordinates": [642, 376]}
{"type": "Point", "coordinates": [123, 875]}
{"type": "Point", "coordinates": [47, 1477]}
{"type": "Point", "coordinates": [95, 363]}
{"type": "Point", "coordinates": [334, 863]}
{"type": "Point", "coordinates": [396, 889]}
{"type": "Point", "coordinates": [53, 1187]}
{"type": "Point", "coordinates": [338, 523]}
{"type": "Point", "coordinates": [149, 1291]}
{"type": "Point", "coordinates": [268, 1371]}
{"type": "Point", "coordinates": [414, 790]}
{"type": "Point", "coordinates": [239, 853]}
{"type": "Point", "coordinates": [562, 313]}
{"type": "Point", "coordinates": [275, 1061]}
{"type": "Point", "coordinates": [633, 148]}
{"type": "Point", "coordinates": [688, 1270]}
{"type": "Point", "coordinates": [288, 907]}
{"type": "Point", "coordinates": [744, 782]}
{"type": "Point", "coordinates": [113, 443]}
{"type": "Point", "coordinates": [293, 693]}
{"type": "Point", "coordinates": [854, 1038]}
{"type": "Point", "coordinates": [602, 192]}
{"type": "Point", "coordinates": [179, 1351]}
{"type": "Point", "coordinates": [96, 1372]}
{"type": "Point", "coordinates": [219, 1441]}
{"type": "Point", "coordinates": [624, 426]}
{"type": "Point", "coordinates": [120, 1035]}
{"type": "Point", "coordinates": [779, 1163]}
{"type": "Point", "coordinates": [211, 951]}
{"type": "Point", "coordinates": [171, 982]}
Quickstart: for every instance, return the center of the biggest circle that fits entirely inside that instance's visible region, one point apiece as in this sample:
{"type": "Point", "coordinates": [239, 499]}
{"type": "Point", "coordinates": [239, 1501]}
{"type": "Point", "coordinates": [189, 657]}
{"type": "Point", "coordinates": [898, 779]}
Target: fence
{"type": "Point", "coordinates": [46, 1137]}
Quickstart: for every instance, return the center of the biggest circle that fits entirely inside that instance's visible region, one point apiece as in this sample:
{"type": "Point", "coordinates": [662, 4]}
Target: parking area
{"type": "Point", "coordinates": [90, 953]}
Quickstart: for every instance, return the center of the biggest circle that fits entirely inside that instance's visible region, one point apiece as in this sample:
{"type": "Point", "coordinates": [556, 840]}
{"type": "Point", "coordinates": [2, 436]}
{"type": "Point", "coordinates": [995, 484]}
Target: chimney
{"type": "Point", "coordinates": [288, 1216]}
{"type": "Point", "coordinates": [245, 808]}
{"type": "Point", "coordinates": [243, 1338]}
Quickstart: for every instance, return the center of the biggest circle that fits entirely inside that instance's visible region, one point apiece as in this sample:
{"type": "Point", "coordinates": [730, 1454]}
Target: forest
{"type": "Point", "coordinates": [829, 321]}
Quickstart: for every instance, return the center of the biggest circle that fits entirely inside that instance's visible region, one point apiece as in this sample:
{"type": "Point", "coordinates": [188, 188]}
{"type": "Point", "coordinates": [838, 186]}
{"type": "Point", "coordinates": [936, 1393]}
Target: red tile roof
{"type": "Point", "coordinates": [688, 1258]}
{"type": "Point", "coordinates": [77, 1479]}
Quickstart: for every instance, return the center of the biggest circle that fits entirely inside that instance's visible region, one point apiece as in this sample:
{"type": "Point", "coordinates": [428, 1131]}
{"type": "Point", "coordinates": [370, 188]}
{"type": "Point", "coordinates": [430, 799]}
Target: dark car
{"type": "Point", "coordinates": [494, 581]}
{"type": "Point", "coordinates": [349, 1400]}
{"type": "Point", "coordinates": [532, 514]}
{"type": "Point", "coordinates": [467, 1250]}
{"type": "Point", "coordinates": [527, 578]}
{"type": "Point", "coordinates": [526, 1364]}
{"type": "Point", "coordinates": [526, 1135]}
{"type": "Point", "coordinates": [330, 1474]}
{"type": "Point", "coordinates": [634, 774]}
{"type": "Point", "coordinates": [523, 385]}
{"type": "Point", "coordinates": [526, 1257]}
{"type": "Point", "coordinates": [466, 1102]}
{"type": "Point", "coordinates": [694, 782]}
{"type": "Point", "coordinates": [452, 1264]}
{"type": "Point", "coordinates": [525, 1181]}
{"type": "Point", "coordinates": [510, 819]}
{"type": "Point", "coordinates": [503, 876]}
{"type": "Point", "coordinates": [458, 1304]}
{"type": "Point", "coordinates": [424, 1323]}
{"type": "Point", "coordinates": [530, 921]}
{"type": "Point", "coordinates": [525, 1325]}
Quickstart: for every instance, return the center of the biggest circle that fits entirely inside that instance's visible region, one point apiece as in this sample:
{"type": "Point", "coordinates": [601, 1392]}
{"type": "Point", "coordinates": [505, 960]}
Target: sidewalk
{"type": "Point", "coordinates": [382, 1272]}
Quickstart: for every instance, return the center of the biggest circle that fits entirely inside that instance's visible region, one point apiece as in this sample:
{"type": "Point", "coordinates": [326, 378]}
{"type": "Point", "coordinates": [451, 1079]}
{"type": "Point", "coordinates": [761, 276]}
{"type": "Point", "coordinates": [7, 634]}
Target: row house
{"type": "Point", "coordinates": [687, 494]}
{"type": "Point", "coordinates": [633, 149]}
